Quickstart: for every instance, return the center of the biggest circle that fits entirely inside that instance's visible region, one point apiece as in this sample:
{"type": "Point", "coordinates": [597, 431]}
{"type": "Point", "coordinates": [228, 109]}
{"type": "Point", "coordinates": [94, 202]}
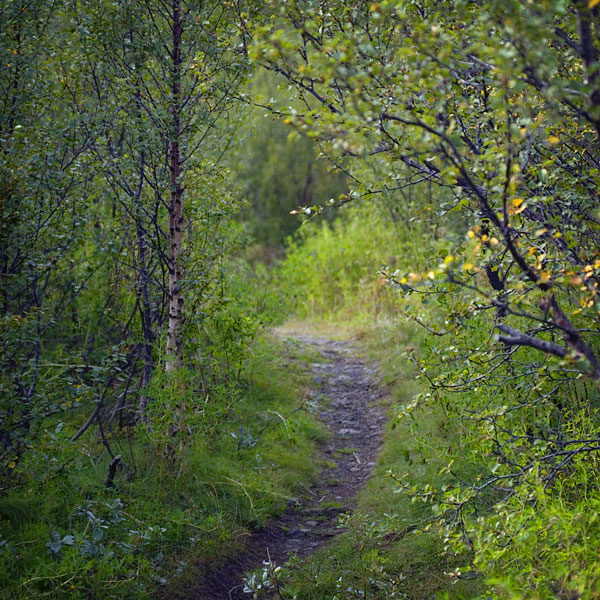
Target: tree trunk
{"type": "Point", "coordinates": [145, 305]}
{"type": "Point", "coordinates": [175, 203]}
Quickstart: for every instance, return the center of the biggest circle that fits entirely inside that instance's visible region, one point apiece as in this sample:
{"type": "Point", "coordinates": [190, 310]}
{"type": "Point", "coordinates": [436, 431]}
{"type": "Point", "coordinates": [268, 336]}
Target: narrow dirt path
{"type": "Point", "coordinates": [346, 396]}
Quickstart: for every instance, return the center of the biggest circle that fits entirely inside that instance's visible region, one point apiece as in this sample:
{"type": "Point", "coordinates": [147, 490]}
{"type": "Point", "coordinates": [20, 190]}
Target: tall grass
{"type": "Point", "coordinates": [170, 516]}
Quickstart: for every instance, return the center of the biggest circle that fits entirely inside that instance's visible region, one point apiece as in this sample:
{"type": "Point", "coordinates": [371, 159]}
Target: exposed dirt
{"type": "Point", "coordinates": [346, 396]}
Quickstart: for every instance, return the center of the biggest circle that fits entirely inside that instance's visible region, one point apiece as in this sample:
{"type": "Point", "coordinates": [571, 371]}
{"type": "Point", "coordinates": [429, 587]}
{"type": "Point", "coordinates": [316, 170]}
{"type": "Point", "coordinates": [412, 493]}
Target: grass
{"type": "Point", "coordinates": [182, 518]}
{"type": "Point", "coordinates": [346, 450]}
{"type": "Point", "coordinates": [178, 517]}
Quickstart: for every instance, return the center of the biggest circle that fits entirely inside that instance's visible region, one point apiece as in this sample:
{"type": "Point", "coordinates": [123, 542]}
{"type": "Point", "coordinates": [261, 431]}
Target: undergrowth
{"type": "Point", "coordinates": [180, 504]}
{"type": "Point", "coordinates": [459, 505]}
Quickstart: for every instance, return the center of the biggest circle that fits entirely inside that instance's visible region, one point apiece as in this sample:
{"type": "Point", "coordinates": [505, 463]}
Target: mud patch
{"type": "Point", "coordinates": [345, 394]}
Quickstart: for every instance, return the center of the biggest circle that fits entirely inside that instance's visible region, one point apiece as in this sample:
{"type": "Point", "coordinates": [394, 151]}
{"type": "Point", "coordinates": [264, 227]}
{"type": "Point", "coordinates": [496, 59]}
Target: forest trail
{"type": "Point", "coordinates": [347, 398]}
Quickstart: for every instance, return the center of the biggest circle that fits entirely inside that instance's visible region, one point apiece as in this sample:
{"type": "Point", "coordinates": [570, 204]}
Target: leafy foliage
{"type": "Point", "coordinates": [462, 134]}
{"type": "Point", "coordinates": [277, 170]}
{"type": "Point", "coordinates": [495, 106]}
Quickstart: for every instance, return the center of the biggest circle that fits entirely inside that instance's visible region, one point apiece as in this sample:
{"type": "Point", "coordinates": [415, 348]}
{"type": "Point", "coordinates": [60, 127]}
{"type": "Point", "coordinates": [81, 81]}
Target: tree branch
{"type": "Point", "coordinates": [514, 337]}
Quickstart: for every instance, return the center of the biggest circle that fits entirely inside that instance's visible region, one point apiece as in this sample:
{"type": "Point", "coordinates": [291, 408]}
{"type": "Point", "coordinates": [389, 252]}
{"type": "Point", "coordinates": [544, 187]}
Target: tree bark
{"type": "Point", "coordinates": [176, 313]}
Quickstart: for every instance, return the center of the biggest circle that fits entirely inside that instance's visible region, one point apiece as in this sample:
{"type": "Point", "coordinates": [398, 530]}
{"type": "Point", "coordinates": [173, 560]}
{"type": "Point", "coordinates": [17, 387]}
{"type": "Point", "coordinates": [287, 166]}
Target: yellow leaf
{"type": "Point", "coordinates": [518, 206]}
{"type": "Point", "coordinates": [544, 277]}
{"type": "Point", "coordinates": [467, 266]}
{"type": "Point", "coordinates": [593, 3]}
{"type": "Point", "coordinates": [521, 208]}
{"type": "Point", "coordinates": [540, 232]}
{"type": "Point", "coordinates": [12, 464]}
{"type": "Point", "coordinates": [471, 234]}
{"type": "Point", "coordinates": [449, 259]}
{"type": "Point", "coordinates": [553, 139]}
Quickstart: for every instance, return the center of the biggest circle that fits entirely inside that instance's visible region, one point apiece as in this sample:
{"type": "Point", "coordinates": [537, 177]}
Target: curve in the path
{"type": "Point", "coordinates": [347, 397]}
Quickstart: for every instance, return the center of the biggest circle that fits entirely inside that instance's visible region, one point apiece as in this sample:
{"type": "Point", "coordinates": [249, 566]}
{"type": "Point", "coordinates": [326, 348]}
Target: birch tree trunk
{"type": "Point", "coordinates": [176, 313]}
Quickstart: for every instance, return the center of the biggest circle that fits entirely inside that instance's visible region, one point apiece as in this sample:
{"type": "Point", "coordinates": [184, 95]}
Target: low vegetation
{"type": "Point", "coordinates": [177, 507]}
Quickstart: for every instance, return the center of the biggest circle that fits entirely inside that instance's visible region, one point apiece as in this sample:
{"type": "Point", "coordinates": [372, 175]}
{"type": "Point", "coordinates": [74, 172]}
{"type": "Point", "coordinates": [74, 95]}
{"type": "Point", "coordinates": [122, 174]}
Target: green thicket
{"type": "Point", "coordinates": [128, 465]}
{"type": "Point", "coordinates": [409, 538]}
{"type": "Point", "coordinates": [490, 112]}
{"type": "Point", "coordinates": [142, 425]}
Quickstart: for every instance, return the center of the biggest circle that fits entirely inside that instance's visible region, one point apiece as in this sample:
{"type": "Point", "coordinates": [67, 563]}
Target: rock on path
{"type": "Point", "coordinates": [345, 394]}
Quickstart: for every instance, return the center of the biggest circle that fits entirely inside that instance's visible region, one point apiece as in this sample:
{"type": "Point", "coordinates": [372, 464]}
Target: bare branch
{"type": "Point", "coordinates": [514, 337]}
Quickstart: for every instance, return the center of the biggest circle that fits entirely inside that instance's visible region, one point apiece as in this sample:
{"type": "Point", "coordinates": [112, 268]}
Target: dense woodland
{"type": "Point", "coordinates": [179, 177]}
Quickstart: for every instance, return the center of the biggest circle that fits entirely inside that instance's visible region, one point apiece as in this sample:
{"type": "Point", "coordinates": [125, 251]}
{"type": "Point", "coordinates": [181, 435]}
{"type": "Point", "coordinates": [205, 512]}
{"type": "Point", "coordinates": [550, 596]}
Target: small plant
{"type": "Point", "coordinates": [56, 543]}
{"type": "Point", "coordinates": [245, 438]}
{"type": "Point", "coordinates": [266, 580]}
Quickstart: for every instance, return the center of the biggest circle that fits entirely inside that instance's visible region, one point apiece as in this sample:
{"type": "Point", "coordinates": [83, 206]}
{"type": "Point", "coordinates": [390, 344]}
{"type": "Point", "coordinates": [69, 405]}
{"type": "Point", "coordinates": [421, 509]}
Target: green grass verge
{"type": "Point", "coordinates": [169, 517]}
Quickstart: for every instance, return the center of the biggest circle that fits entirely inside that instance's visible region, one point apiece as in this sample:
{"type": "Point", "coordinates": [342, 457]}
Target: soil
{"type": "Point", "coordinates": [347, 397]}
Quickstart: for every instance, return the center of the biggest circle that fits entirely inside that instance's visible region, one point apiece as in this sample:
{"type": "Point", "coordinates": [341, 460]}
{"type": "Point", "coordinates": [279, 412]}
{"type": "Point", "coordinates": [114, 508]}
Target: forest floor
{"type": "Point", "coordinates": [347, 399]}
